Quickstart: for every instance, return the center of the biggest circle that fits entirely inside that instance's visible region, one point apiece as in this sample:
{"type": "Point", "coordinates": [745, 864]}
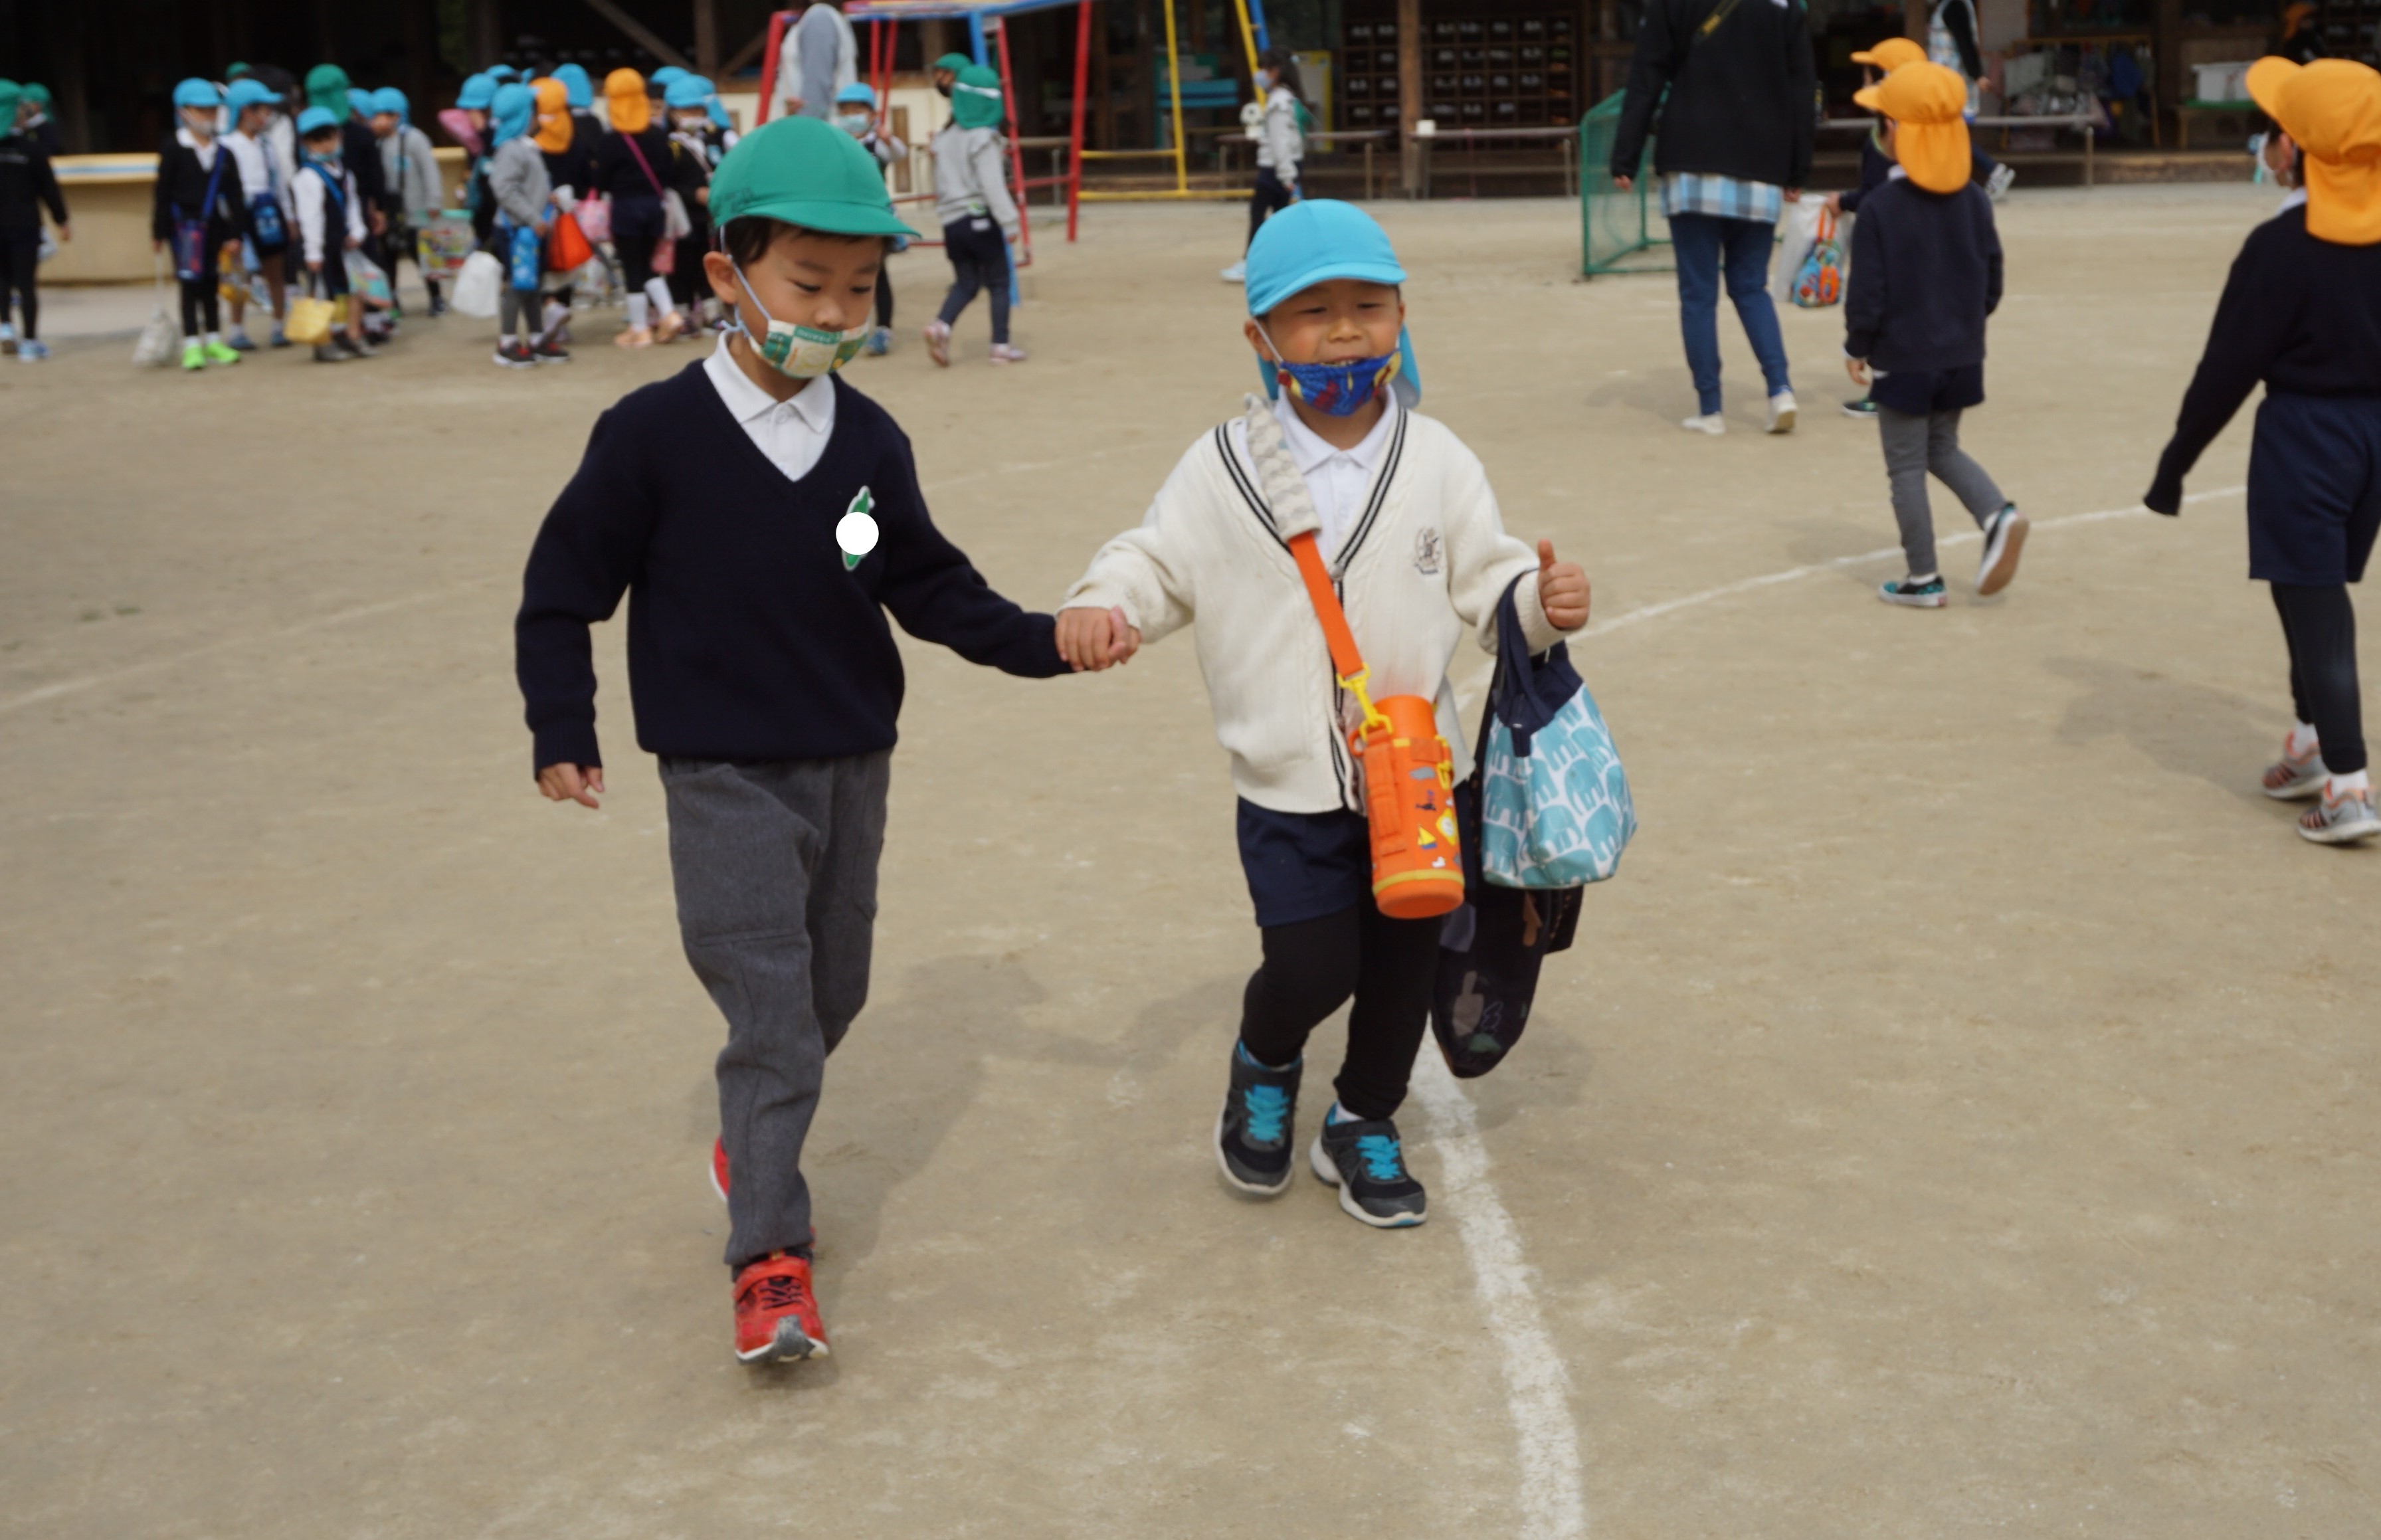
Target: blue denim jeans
{"type": "Point", "coordinates": [1701, 241]}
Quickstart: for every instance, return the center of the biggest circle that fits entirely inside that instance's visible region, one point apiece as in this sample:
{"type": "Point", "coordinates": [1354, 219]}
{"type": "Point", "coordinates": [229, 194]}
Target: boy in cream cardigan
{"type": "Point", "coordinates": [1410, 531]}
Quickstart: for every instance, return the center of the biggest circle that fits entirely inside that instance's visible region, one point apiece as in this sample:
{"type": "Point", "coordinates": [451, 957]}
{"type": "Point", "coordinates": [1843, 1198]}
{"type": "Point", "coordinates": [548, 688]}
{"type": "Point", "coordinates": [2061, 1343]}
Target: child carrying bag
{"type": "Point", "coordinates": [1554, 808]}
{"type": "Point", "coordinates": [675, 223]}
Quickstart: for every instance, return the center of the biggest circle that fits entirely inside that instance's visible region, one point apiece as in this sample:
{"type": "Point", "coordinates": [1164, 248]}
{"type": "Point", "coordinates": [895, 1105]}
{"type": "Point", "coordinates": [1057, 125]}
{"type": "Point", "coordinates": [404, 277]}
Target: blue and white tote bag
{"type": "Point", "coordinates": [1555, 809]}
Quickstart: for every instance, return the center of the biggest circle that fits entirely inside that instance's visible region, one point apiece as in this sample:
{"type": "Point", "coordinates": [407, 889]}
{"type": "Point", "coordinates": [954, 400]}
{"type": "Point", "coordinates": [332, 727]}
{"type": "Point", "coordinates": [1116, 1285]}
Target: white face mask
{"type": "Point", "coordinates": [798, 353]}
{"type": "Point", "coordinates": [854, 124]}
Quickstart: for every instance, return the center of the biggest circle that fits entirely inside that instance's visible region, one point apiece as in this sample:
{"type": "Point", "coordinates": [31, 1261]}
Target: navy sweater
{"type": "Point", "coordinates": [1926, 269]}
{"type": "Point", "coordinates": [748, 637]}
{"type": "Point", "coordinates": [2302, 314]}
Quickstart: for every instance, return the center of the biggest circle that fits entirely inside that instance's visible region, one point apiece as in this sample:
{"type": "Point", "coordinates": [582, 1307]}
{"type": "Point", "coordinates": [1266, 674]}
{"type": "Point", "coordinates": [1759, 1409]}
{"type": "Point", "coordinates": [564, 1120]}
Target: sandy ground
{"type": "Point", "coordinates": [1957, 1117]}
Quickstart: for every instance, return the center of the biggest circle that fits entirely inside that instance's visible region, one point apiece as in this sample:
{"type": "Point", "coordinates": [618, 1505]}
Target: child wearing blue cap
{"type": "Point", "coordinates": [855, 114]}
{"type": "Point", "coordinates": [330, 225]}
{"type": "Point", "coordinates": [416, 190]}
{"type": "Point", "coordinates": [252, 106]}
{"type": "Point", "coordinates": [200, 204]}
{"type": "Point", "coordinates": [1409, 528]}
{"type": "Point", "coordinates": [765, 519]}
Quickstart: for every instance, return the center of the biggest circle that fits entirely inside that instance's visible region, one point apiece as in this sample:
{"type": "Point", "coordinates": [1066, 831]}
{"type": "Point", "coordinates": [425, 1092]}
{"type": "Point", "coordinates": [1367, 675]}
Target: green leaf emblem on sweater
{"type": "Point", "coordinates": [856, 531]}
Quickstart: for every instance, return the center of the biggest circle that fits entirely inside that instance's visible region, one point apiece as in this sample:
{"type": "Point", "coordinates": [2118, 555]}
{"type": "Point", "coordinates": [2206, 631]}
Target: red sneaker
{"type": "Point", "coordinates": [777, 1315]}
{"type": "Point", "coordinates": [719, 1169]}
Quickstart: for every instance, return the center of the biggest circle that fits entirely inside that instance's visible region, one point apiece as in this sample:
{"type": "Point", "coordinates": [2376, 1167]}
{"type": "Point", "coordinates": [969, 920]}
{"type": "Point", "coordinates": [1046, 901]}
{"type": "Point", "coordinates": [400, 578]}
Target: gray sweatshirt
{"type": "Point", "coordinates": [410, 170]}
{"type": "Point", "coordinates": [971, 179]}
{"type": "Point", "coordinates": [517, 176]}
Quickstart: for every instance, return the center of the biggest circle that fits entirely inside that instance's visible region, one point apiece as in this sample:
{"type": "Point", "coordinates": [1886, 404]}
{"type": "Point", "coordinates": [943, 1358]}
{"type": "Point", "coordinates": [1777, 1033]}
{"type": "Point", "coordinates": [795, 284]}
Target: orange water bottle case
{"type": "Point", "coordinates": [1408, 772]}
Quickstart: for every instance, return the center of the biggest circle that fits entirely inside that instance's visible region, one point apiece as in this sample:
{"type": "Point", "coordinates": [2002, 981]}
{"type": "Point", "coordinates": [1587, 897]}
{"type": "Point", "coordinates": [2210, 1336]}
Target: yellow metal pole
{"type": "Point", "coordinates": [1247, 37]}
{"type": "Point", "coordinates": [1174, 79]}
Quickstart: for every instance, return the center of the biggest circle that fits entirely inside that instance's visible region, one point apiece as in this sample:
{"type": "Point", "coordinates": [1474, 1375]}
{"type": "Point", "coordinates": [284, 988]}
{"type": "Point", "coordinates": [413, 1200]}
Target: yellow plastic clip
{"type": "Point", "coordinates": [1356, 685]}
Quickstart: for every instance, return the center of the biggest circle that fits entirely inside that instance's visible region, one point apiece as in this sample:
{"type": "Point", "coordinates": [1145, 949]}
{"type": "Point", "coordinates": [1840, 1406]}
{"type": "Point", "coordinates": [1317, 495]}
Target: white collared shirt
{"type": "Point", "coordinates": [792, 432]}
{"type": "Point", "coordinates": [189, 140]}
{"type": "Point", "coordinates": [1337, 478]}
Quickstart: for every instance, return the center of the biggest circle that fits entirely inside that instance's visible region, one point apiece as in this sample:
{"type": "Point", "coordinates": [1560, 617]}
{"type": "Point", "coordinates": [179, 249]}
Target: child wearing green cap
{"type": "Point", "coordinates": [979, 218]}
{"type": "Point", "coordinates": [28, 185]}
{"type": "Point", "coordinates": [1404, 519]}
{"type": "Point", "coordinates": [764, 518]}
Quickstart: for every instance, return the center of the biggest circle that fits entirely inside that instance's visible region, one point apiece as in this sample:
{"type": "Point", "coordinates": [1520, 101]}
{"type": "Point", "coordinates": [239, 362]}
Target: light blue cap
{"type": "Point", "coordinates": [685, 91]}
{"type": "Point", "coordinates": [503, 73]}
{"type": "Point", "coordinates": [665, 76]}
{"type": "Point", "coordinates": [860, 91]}
{"type": "Point", "coordinates": [710, 102]}
{"type": "Point", "coordinates": [389, 99]}
{"type": "Point", "coordinates": [477, 92]}
{"type": "Point", "coordinates": [512, 112]}
{"type": "Point", "coordinates": [313, 119]}
{"type": "Point", "coordinates": [195, 92]}
{"type": "Point", "coordinates": [249, 91]}
{"type": "Point", "coordinates": [1314, 241]}
{"type": "Point", "coordinates": [578, 91]}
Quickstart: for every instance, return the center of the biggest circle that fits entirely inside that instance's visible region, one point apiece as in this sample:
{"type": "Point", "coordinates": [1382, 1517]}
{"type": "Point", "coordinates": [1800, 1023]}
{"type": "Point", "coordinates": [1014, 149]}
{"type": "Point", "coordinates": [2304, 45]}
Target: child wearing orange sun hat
{"type": "Point", "coordinates": [1926, 271]}
{"type": "Point", "coordinates": [2302, 311]}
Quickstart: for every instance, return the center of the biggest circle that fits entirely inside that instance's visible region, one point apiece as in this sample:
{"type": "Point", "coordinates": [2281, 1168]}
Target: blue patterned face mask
{"type": "Point", "coordinates": [1335, 389]}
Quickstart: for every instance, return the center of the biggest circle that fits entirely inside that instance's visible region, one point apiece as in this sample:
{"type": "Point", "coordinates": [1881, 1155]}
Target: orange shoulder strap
{"type": "Point", "coordinates": [1345, 658]}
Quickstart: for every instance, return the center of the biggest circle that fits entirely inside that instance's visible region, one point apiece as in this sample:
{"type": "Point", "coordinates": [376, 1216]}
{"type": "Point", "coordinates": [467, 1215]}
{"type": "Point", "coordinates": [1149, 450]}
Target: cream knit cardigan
{"type": "Point", "coordinates": [1425, 561]}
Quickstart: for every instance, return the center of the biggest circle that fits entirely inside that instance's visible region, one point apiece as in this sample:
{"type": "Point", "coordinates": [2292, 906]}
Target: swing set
{"type": "Point", "coordinates": [987, 37]}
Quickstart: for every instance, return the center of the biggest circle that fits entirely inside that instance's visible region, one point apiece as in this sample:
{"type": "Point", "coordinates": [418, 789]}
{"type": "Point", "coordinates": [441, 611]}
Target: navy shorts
{"type": "Point", "coordinates": [1304, 865]}
{"type": "Point", "coordinates": [1924, 392]}
{"type": "Point", "coordinates": [2315, 489]}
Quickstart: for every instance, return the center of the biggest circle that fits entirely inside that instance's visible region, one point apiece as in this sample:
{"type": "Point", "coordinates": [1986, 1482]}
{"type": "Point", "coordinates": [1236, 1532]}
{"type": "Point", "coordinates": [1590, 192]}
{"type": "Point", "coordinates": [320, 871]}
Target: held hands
{"type": "Point", "coordinates": [568, 783]}
{"type": "Point", "coordinates": [1091, 640]}
{"type": "Point", "coordinates": [1562, 590]}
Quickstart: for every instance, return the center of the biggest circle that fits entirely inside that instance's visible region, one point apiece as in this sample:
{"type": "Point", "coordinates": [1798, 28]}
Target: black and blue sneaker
{"type": "Point", "coordinates": [1253, 1138]}
{"type": "Point", "coordinates": [1365, 1160]}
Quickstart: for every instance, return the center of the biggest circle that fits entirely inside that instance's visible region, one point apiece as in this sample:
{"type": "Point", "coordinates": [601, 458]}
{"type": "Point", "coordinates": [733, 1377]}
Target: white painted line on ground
{"type": "Point", "coordinates": [1553, 1500]}
{"type": "Point", "coordinates": [1537, 1387]}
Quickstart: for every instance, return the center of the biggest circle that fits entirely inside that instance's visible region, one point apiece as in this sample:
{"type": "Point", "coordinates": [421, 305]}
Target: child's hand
{"type": "Point", "coordinates": [1091, 640]}
{"type": "Point", "coordinates": [1562, 590]}
{"type": "Point", "coordinates": [568, 783]}
{"type": "Point", "coordinates": [1857, 370]}
{"type": "Point", "coordinates": [353, 243]}
{"type": "Point", "coordinates": [314, 265]}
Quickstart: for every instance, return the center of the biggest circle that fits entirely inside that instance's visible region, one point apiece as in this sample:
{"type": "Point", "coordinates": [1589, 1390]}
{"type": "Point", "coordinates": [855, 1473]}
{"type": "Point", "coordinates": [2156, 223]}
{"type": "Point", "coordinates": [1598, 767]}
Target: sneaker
{"type": "Point", "coordinates": [2341, 820]}
{"type": "Point", "coordinates": [1253, 1141]}
{"type": "Point", "coordinates": [326, 353]}
{"type": "Point", "coordinates": [634, 336]}
{"type": "Point", "coordinates": [354, 347]}
{"type": "Point", "coordinates": [439, 307]}
{"type": "Point", "coordinates": [776, 1313]}
{"type": "Point", "coordinates": [1709, 422]}
{"type": "Point", "coordinates": [938, 344]}
{"type": "Point", "coordinates": [512, 354]}
{"type": "Point", "coordinates": [879, 342]}
{"type": "Point", "coordinates": [194, 354]}
{"type": "Point", "coordinates": [1996, 185]}
{"type": "Point", "coordinates": [2004, 538]}
{"type": "Point", "coordinates": [1781, 412]}
{"type": "Point", "coordinates": [280, 338]}
{"type": "Point", "coordinates": [1003, 353]}
{"type": "Point", "coordinates": [217, 353]}
{"type": "Point", "coordinates": [1864, 407]}
{"type": "Point", "coordinates": [8, 338]}
{"type": "Point", "coordinates": [719, 1168]}
{"type": "Point", "coordinates": [1237, 274]}
{"type": "Point", "coordinates": [237, 342]}
{"type": "Point", "coordinates": [32, 350]}
{"type": "Point", "coordinates": [1365, 1162]}
{"type": "Point", "coordinates": [1911, 591]}
{"type": "Point", "coordinates": [549, 352]}
{"type": "Point", "coordinates": [672, 326]}
{"type": "Point", "coordinates": [2294, 777]}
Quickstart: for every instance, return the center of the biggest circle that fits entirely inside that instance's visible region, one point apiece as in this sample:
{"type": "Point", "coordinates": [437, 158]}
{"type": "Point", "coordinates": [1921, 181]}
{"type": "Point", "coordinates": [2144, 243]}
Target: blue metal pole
{"type": "Point", "coordinates": [1256, 21]}
{"type": "Point", "coordinates": [976, 37]}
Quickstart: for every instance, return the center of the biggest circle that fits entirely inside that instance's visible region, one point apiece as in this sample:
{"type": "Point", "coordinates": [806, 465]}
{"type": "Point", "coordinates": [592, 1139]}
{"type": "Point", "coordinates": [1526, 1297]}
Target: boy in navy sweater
{"type": "Point", "coordinates": [1926, 271]}
{"type": "Point", "coordinates": [763, 516]}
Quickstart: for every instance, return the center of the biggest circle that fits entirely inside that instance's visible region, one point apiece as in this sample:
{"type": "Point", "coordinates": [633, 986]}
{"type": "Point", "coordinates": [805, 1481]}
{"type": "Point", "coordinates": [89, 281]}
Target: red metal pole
{"type": "Point", "coordinates": [1016, 153]}
{"type": "Point", "coordinates": [1075, 131]}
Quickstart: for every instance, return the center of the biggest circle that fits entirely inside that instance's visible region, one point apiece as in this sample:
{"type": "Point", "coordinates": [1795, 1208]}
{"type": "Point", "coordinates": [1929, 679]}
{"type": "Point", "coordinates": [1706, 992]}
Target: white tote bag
{"type": "Point", "coordinates": [161, 340]}
{"type": "Point", "coordinates": [476, 285]}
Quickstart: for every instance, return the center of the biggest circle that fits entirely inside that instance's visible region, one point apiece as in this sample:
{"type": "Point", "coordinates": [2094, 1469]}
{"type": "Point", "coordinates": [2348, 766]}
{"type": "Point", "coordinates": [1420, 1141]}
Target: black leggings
{"type": "Point", "coordinates": [638, 225]}
{"type": "Point", "coordinates": [20, 260]}
{"type": "Point", "coordinates": [1269, 198]}
{"type": "Point", "coordinates": [200, 301]}
{"type": "Point", "coordinates": [884, 298]}
{"type": "Point", "coordinates": [979, 261]}
{"type": "Point", "coordinates": [2320, 625]}
{"type": "Point", "coordinates": [1310, 970]}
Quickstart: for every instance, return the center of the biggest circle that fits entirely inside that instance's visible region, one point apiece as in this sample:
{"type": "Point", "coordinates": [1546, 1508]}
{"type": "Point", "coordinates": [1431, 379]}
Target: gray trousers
{"type": "Point", "coordinates": [1914, 445]}
{"type": "Point", "coordinates": [776, 870]}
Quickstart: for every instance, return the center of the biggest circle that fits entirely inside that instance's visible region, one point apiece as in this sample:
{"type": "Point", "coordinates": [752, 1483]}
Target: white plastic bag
{"type": "Point", "coordinates": [1796, 231]}
{"type": "Point", "coordinates": [476, 285]}
{"type": "Point", "coordinates": [161, 340]}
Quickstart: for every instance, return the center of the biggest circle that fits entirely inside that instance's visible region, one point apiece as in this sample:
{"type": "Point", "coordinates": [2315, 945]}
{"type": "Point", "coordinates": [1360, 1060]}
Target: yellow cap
{"type": "Point", "coordinates": [1891, 55]}
{"type": "Point", "coordinates": [1928, 105]}
{"type": "Point", "coordinates": [2332, 109]}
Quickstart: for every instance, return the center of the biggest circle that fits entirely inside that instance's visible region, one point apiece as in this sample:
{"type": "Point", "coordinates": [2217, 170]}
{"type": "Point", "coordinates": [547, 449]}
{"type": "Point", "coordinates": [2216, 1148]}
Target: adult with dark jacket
{"type": "Point", "coordinates": [26, 186]}
{"type": "Point", "coordinates": [1734, 144]}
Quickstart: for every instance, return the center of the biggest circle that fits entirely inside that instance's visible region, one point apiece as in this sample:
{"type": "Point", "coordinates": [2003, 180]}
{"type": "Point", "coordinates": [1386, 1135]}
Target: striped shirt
{"type": "Point", "coordinates": [1720, 197]}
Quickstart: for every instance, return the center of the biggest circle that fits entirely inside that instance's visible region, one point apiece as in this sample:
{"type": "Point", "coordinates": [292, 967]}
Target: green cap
{"type": "Point", "coordinates": [954, 62]}
{"type": "Point", "coordinates": [327, 86]}
{"type": "Point", "coordinates": [975, 98]}
{"type": "Point", "coordinates": [804, 171]}
{"type": "Point", "coordinates": [37, 93]}
{"type": "Point", "coordinates": [10, 93]}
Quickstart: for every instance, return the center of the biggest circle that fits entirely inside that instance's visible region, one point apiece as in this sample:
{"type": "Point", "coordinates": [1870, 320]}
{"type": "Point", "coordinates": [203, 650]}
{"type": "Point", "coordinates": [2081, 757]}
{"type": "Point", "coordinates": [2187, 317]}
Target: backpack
{"type": "Point", "coordinates": [1820, 281]}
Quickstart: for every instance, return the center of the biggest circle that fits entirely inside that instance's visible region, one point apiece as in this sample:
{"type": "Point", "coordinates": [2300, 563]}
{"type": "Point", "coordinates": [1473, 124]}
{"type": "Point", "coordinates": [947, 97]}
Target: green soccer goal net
{"type": "Point", "coordinates": [1617, 229]}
